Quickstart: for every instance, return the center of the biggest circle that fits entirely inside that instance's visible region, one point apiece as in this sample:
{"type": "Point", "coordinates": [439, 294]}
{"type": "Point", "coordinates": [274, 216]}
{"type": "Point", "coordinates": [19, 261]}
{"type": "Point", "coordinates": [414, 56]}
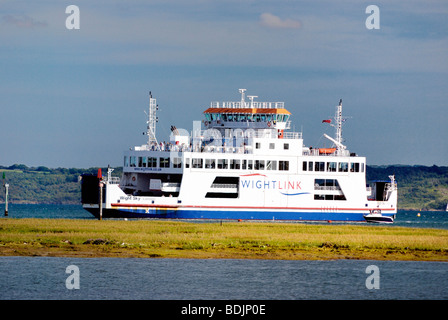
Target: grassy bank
{"type": "Point", "coordinates": [239, 240]}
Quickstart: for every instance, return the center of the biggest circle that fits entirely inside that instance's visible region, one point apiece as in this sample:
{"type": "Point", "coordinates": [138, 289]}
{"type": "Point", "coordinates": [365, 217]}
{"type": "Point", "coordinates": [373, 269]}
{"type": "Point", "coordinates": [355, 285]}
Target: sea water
{"type": "Point", "coordinates": [229, 279]}
{"type": "Point", "coordinates": [49, 278]}
{"type": "Point", "coordinates": [404, 218]}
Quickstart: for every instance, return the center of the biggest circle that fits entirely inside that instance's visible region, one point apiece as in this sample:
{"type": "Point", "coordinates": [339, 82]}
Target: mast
{"type": "Point", "coordinates": [152, 120]}
{"type": "Point", "coordinates": [338, 123]}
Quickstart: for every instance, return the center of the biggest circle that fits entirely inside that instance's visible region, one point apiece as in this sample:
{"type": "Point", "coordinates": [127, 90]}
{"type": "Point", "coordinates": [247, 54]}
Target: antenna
{"type": "Point", "coordinates": [251, 98]}
{"type": "Point", "coordinates": [152, 120]}
{"type": "Point", "coordinates": [243, 102]}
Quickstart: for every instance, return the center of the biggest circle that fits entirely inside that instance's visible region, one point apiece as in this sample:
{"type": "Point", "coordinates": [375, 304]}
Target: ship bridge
{"type": "Point", "coordinates": [247, 115]}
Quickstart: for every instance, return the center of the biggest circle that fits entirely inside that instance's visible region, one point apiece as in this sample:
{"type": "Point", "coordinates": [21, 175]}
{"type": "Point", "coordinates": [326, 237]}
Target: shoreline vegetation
{"type": "Point", "coordinates": [420, 188]}
{"type": "Point", "coordinates": [218, 240]}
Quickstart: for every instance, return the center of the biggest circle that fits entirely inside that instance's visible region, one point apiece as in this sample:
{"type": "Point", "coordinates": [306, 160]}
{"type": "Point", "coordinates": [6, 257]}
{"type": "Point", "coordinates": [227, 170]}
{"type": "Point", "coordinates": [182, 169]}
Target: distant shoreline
{"type": "Point", "coordinates": [229, 240]}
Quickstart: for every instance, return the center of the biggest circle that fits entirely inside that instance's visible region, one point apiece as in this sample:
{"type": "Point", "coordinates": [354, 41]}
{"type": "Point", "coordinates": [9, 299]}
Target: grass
{"type": "Point", "coordinates": [239, 240]}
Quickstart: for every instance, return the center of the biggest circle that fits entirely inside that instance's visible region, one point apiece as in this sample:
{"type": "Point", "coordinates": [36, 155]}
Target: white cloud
{"type": "Point", "coordinates": [272, 21]}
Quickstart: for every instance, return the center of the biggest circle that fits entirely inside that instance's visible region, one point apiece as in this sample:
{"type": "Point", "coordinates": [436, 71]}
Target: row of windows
{"type": "Point", "coordinates": [246, 117]}
{"type": "Point", "coordinates": [237, 164]}
{"type": "Point", "coordinates": [151, 162]}
{"type": "Point", "coordinates": [332, 166]}
{"type": "Point", "coordinates": [199, 163]}
{"type": "Point", "coordinates": [271, 146]}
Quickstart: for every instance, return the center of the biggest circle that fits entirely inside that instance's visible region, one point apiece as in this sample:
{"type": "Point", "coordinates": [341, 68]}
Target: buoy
{"type": "Point", "coordinates": [329, 221]}
{"type": "Point", "coordinates": [418, 214]}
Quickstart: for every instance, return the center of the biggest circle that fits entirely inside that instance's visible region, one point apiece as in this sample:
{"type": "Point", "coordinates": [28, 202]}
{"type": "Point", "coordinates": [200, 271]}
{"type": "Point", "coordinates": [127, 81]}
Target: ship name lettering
{"type": "Point", "coordinates": [271, 184]}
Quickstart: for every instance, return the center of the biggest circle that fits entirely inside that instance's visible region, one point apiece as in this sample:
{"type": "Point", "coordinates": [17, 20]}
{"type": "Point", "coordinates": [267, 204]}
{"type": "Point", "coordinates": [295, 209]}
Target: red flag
{"type": "Point", "coordinates": [99, 175]}
{"type": "Point", "coordinates": [327, 121]}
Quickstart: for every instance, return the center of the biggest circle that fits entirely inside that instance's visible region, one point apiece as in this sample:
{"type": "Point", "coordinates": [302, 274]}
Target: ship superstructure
{"type": "Point", "coordinates": [241, 162]}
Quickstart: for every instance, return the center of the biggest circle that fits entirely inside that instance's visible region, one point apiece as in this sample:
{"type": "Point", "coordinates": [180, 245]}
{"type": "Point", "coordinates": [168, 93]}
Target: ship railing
{"type": "Point", "coordinates": [327, 188]}
{"type": "Point", "coordinates": [337, 153]}
{"type": "Point", "coordinates": [219, 149]}
{"type": "Point", "coordinates": [251, 104]}
{"type": "Point", "coordinates": [224, 186]}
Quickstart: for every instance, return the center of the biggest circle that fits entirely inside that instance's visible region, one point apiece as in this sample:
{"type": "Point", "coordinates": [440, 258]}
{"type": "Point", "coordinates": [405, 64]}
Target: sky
{"type": "Point", "coordinates": [76, 97]}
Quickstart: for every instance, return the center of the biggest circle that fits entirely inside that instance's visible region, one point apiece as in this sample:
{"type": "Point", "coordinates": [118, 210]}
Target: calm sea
{"type": "Point", "coordinates": [427, 219]}
{"type": "Point", "coordinates": [46, 278]}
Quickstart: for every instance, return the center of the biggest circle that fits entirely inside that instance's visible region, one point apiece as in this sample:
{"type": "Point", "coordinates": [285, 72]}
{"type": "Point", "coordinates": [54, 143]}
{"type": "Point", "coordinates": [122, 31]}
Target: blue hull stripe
{"type": "Point", "coordinates": [230, 214]}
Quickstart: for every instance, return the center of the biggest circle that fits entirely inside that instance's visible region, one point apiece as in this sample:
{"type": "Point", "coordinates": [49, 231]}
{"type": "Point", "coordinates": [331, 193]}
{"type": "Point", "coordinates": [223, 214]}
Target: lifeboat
{"type": "Point", "coordinates": [327, 150]}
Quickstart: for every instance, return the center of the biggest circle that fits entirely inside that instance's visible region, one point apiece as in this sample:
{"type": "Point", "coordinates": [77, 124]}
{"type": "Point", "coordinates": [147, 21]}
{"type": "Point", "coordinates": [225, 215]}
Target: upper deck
{"type": "Point", "coordinates": [245, 127]}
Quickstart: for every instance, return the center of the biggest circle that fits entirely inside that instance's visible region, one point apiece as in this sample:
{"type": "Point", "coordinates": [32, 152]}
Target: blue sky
{"type": "Point", "coordinates": [76, 98]}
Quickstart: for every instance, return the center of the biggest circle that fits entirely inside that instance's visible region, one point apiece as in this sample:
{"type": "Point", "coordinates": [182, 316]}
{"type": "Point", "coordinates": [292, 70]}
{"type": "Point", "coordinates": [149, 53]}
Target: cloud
{"type": "Point", "coordinates": [272, 21]}
{"type": "Point", "coordinates": [23, 21]}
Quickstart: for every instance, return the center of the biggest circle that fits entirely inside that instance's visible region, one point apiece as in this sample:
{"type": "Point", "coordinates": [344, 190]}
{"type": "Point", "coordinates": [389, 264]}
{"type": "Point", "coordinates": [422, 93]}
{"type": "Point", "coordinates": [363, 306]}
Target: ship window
{"type": "Point", "coordinates": [257, 145]}
{"type": "Point", "coordinates": [259, 165]}
{"type": "Point", "coordinates": [304, 166]}
{"type": "Point", "coordinates": [326, 184]}
{"type": "Point", "coordinates": [310, 165]}
{"type": "Point", "coordinates": [196, 163]}
{"type": "Point", "coordinates": [244, 165]}
{"type": "Point", "coordinates": [187, 163]}
{"type": "Point", "coordinates": [283, 165]}
{"type": "Point", "coordinates": [354, 167]}
{"type": "Point", "coordinates": [343, 167]}
{"type": "Point", "coordinates": [164, 162]}
{"type": "Point", "coordinates": [133, 161]}
{"type": "Point", "coordinates": [126, 161]}
{"type": "Point", "coordinates": [152, 162]}
{"type": "Point", "coordinates": [319, 166]}
{"type": "Point", "coordinates": [235, 164]}
{"type": "Point", "coordinates": [222, 163]}
{"type": "Point", "coordinates": [362, 167]}
{"type": "Point", "coordinates": [331, 166]}
{"type": "Point", "coordinates": [177, 162]}
{"type": "Point", "coordinates": [249, 164]}
{"type": "Point", "coordinates": [286, 146]}
{"type": "Point", "coordinates": [210, 164]}
{"type": "Point", "coordinates": [271, 145]}
{"type": "Point", "coordinates": [271, 165]}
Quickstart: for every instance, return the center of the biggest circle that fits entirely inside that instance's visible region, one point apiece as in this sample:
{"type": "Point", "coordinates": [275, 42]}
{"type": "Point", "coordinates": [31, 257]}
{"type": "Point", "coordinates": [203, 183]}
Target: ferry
{"type": "Point", "coordinates": [241, 162]}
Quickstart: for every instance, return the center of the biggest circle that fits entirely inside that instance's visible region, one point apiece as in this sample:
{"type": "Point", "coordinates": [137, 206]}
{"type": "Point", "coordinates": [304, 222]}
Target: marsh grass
{"type": "Point", "coordinates": [178, 239]}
